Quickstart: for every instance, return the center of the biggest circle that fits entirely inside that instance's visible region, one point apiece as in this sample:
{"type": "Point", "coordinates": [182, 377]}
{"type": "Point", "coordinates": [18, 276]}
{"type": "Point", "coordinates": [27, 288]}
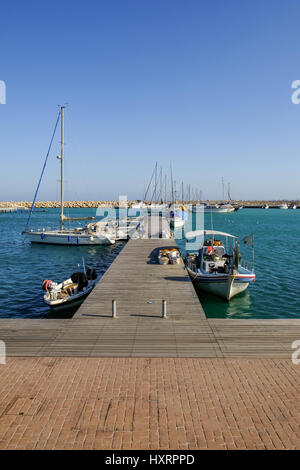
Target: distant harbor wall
{"type": "Point", "coordinates": [19, 205]}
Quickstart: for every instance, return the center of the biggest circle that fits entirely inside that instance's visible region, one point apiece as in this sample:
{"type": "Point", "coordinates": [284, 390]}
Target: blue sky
{"type": "Point", "coordinates": [206, 84]}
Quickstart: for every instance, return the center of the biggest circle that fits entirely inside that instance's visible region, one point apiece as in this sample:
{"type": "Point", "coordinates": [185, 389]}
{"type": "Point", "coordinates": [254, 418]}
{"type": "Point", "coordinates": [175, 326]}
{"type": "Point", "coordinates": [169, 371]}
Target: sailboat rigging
{"type": "Point", "coordinates": [92, 234]}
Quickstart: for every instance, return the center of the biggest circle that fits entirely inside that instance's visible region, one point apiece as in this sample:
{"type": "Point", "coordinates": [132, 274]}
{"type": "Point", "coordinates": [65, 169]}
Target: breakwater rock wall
{"type": "Point", "coordinates": [95, 204]}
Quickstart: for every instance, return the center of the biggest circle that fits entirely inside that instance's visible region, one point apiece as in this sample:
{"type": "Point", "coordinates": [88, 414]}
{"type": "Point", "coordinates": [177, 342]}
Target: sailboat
{"type": "Point", "coordinates": [178, 214]}
{"type": "Point", "coordinates": [224, 206]}
{"type": "Point", "coordinates": [92, 234]}
{"type": "Point", "coordinates": [155, 190]}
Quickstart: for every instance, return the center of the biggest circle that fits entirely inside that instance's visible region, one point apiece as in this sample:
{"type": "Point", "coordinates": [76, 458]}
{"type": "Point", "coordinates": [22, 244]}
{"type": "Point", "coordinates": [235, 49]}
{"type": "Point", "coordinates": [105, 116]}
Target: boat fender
{"type": "Point", "coordinates": [42, 236]}
{"type": "Point", "coordinates": [69, 238]}
{"type": "Point", "coordinates": [46, 284]}
{"type": "Point", "coordinates": [70, 290]}
{"type": "Point", "coordinates": [78, 241]}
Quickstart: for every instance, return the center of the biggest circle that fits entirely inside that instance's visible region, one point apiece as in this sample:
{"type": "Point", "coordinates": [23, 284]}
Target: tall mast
{"type": "Point", "coordinates": [160, 191]}
{"type": "Point", "coordinates": [165, 189]}
{"type": "Point", "coordinates": [155, 182]}
{"type": "Point", "coordinates": [175, 193]}
{"type": "Point", "coordinates": [222, 188]}
{"type": "Point", "coordinates": [62, 169]}
{"type": "Point", "coordinates": [172, 183]}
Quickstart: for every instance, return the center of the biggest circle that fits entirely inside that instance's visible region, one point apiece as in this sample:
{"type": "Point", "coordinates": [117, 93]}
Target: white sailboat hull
{"type": "Point", "coordinates": [57, 238]}
{"type": "Point", "coordinates": [218, 210]}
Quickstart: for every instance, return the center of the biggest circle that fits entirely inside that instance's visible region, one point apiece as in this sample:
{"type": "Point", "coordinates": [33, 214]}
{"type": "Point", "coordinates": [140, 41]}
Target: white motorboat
{"type": "Point", "coordinates": [101, 235]}
{"type": "Point", "coordinates": [293, 206]}
{"type": "Point", "coordinates": [266, 206]}
{"type": "Point", "coordinates": [216, 268]}
{"type": "Point", "coordinates": [70, 292]}
{"type": "Point", "coordinates": [283, 206]}
{"type": "Point", "coordinates": [125, 227]}
{"type": "Point", "coordinates": [226, 207]}
{"type": "Point", "coordinates": [218, 208]}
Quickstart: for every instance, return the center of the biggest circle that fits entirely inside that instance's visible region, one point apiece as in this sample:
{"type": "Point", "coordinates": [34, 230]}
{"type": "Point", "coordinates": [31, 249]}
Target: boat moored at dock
{"type": "Point", "coordinates": [77, 236]}
{"type": "Point", "coordinates": [71, 291]}
{"type": "Point", "coordinates": [216, 267]}
{"type": "Point", "coordinates": [83, 235]}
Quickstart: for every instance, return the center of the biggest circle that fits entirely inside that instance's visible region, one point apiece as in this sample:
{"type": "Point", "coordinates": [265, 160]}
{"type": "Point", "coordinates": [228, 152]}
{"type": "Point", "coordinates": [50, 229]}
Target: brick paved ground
{"type": "Point", "coordinates": [124, 403]}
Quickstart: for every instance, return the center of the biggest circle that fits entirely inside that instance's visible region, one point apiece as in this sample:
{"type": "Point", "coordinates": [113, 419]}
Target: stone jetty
{"type": "Point", "coordinates": [94, 204]}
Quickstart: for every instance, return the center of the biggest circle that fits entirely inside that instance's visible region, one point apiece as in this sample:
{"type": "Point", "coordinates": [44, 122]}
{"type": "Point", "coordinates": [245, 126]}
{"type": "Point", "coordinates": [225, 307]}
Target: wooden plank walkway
{"type": "Point", "coordinates": [139, 283]}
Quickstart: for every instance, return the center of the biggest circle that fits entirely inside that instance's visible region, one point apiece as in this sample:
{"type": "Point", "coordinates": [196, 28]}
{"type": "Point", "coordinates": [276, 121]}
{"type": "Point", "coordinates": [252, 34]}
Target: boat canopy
{"type": "Point", "coordinates": [198, 233]}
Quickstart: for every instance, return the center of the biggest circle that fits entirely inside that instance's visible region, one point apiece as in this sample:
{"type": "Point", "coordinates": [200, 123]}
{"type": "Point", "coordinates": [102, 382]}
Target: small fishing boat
{"type": "Point", "coordinates": [70, 292]}
{"type": "Point", "coordinates": [217, 266]}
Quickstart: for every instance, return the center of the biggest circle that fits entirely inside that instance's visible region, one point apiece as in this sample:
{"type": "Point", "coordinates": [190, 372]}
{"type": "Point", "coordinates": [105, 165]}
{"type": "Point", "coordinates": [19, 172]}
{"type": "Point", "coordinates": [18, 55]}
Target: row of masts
{"type": "Point", "coordinates": [158, 191]}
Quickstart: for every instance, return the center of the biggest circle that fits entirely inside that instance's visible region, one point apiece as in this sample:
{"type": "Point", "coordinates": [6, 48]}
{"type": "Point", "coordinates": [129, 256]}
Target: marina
{"type": "Point", "coordinates": [139, 284]}
{"type": "Point", "coordinates": [105, 377]}
{"type": "Point", "coordinates": [149, 229]}
{"type": "Point", "coordinates": [22, 295]}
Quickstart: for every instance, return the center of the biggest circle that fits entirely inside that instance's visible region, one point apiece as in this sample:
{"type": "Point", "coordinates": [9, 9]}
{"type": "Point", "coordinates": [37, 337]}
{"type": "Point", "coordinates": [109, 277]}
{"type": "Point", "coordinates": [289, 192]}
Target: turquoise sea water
{"type": "Point", "coordinates": [276, 291]}
{"type": "Point", "coordinates": [275, 294]}
{"type": "Point", "coordinates": [23, 266]}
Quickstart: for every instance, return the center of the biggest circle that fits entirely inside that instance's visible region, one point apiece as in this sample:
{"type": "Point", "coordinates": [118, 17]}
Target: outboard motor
{"type": "Point", "coordinates": [91, 274]}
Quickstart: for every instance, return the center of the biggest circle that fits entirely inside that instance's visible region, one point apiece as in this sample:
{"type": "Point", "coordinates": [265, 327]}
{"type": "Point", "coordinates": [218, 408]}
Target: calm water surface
{"type": "Point", "coordinates": [24, 265]}
{"type": "Point", "coordinates": [276, 292]}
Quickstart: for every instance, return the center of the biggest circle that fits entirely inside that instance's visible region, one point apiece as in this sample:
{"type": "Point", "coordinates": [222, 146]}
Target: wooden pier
{"type": "Point", "coordinates": [141, 381]}
{"type": "Point", "coordinates": [139, 284]}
